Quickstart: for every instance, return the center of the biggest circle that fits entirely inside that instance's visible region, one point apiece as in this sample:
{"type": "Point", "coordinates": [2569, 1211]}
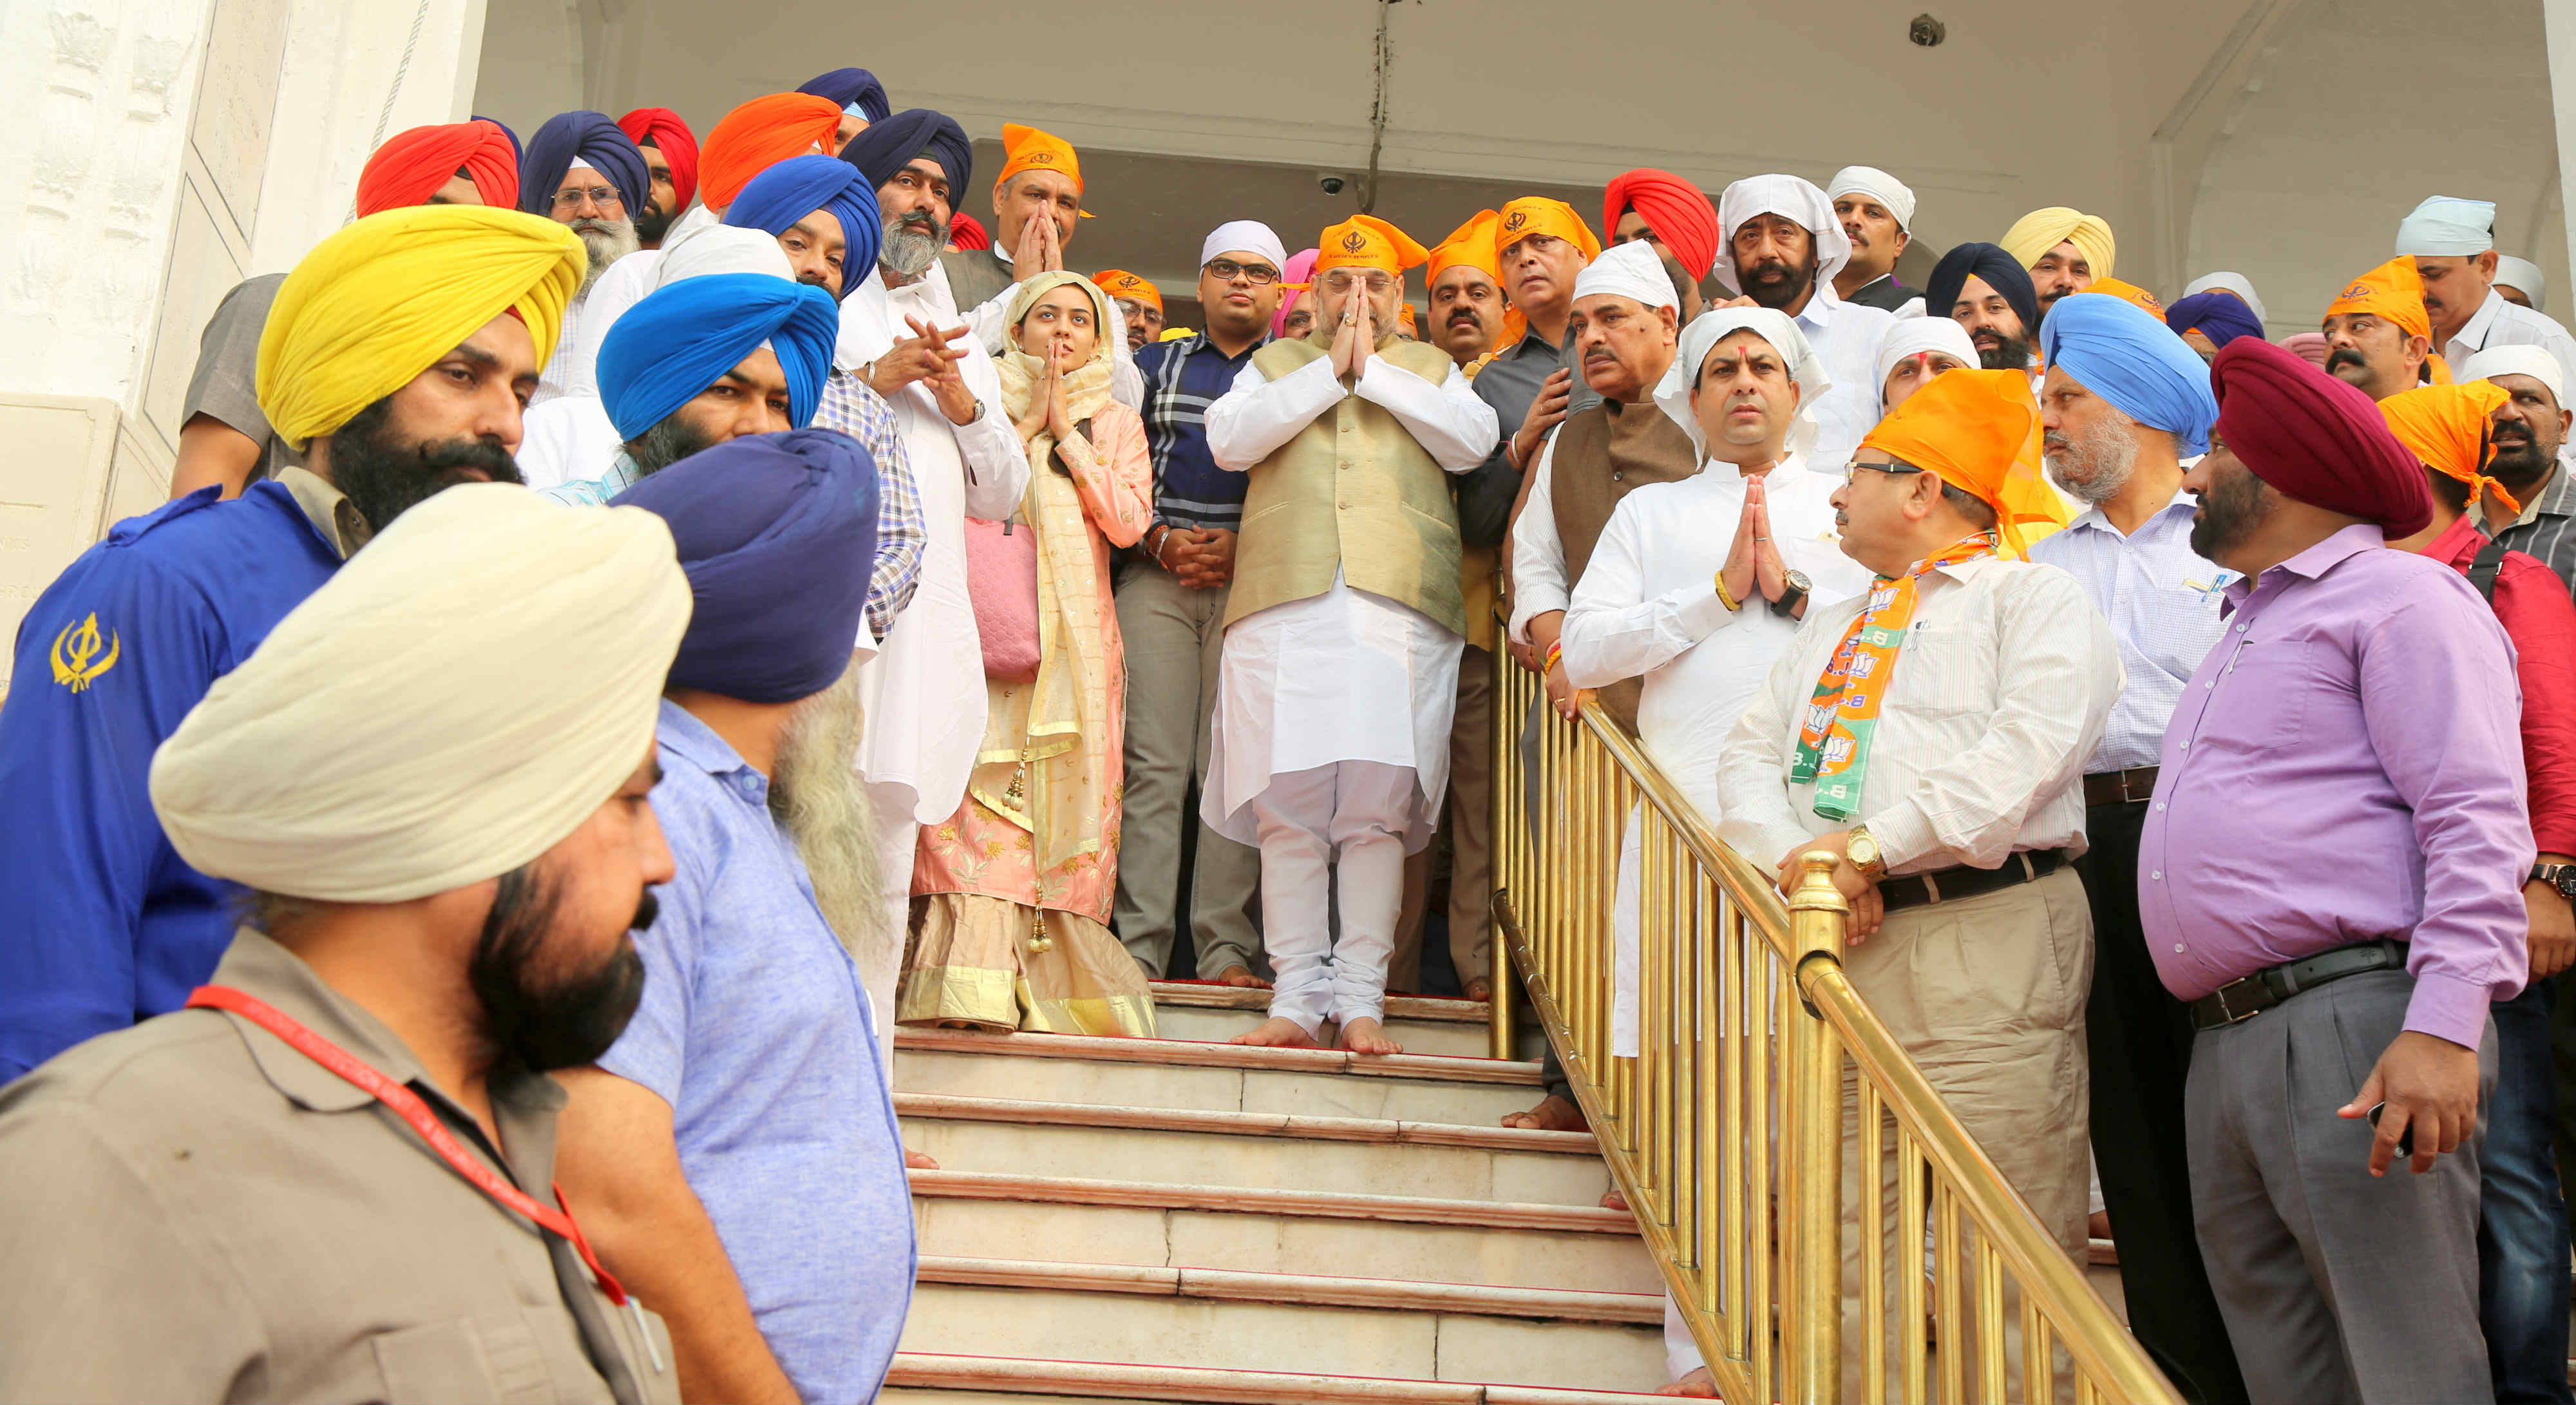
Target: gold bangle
{"type": "Point", "coordinates": [1725, 597]}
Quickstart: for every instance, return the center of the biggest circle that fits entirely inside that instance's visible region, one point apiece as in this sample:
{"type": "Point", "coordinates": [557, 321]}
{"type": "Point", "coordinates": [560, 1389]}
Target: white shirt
{"type": "Point", "coordinates": [1538, 553]}
{"type": "Point", "coordinates": [566, 438]}
{"type": "Point", "coordinates": [556, 378]}
{"type": "Point", "coordinates": [2001, 692]}
{"type": "Point", "coordinates": [2501, 322]}
{"type": "Point", "coordinates": [1846, 337]}
{"type": "Point", "coordinates": [2161, 599]}
{"type": "Point", "coordinates": [1647, 607]}
{"type": "Point", "coordinates": [991, 326]}
{"type": "Point", "coordinates": [620, 286]}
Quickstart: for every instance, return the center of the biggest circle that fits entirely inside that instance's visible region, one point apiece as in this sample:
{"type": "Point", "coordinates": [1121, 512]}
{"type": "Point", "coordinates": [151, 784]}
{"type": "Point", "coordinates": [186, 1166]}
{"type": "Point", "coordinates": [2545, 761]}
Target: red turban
{"type": "Point", "coordinates": [967, 232]}
{"type": "Point", "coordinates": [1674, 208]}
{"type": "Point", "coordinates": [2316, 438]}
{"type": "Point", "coordinates": [760, 134]}
{"type": "Point", "coordinates": [661, 129]}
{"type": "Point", "coordinates": [410, 168]}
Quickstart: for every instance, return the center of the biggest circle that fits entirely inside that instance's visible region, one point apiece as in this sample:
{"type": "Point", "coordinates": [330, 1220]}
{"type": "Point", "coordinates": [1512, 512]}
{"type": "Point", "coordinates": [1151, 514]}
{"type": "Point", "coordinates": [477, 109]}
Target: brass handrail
{"type": "Point", "coordinates": [1725, 1129]}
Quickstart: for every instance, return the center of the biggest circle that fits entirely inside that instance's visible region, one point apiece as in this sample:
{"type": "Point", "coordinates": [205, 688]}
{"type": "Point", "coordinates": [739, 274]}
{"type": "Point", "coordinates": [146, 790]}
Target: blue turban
{"type": "Point", "coordinates": [680, 339]}
{"type": "Point", "coordinates": [778, 535]}
{"type": "Point", "coordinates": [892, 144]}
{"type": "Point", "coordinates": [778, 197]}
{"type": "Point", "coordinates": [2002, 272]}
{"type": "Point", "coordinates": [852, 87]}
{"type": "Point", "coordinates": [2221, 317]}
{"type": "Point", "coordinates": [593, 139]}
{"type": "Point", "coordinates": [2123, 354]}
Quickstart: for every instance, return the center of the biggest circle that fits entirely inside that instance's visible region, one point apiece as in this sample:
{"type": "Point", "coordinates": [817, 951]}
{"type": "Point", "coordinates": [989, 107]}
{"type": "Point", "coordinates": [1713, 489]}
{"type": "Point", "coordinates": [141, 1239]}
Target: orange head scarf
{"type": "Point", "coordinates": [1472, 245]}
{"type": "Point", "coordinates": [2131, 294]}
{"type": "Point", "coordinates": [1365, 241]}
{"type": "Point", "coordinates": [1404, 314]}
{"type": "Point", "coordinates": [411, 166]}
{"type": "Point", "coordinates": [760, 134]}
{"type": "Point", "coordinates": [1119, 283]}
{"type": "Point", "coordinates": [1979, 430]}
{"type": "Point", "coordinates": [2445, 427]}
{"type": "Point", "coordinates": [2394, 292]}
{"type": "Point", "coordinates": [1532, 214]}
{"type": "Point", "coordinates": [1028, 149]}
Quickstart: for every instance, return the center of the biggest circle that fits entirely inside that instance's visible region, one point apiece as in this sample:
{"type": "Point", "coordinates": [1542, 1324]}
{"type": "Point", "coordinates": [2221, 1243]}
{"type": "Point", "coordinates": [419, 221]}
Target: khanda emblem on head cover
{"type": "Point", "coordinates": [1354, 241]}
{"type": "Point", "coordinates": [1519, 218]}
{"type": "Point", "coordinates": [76, 657]}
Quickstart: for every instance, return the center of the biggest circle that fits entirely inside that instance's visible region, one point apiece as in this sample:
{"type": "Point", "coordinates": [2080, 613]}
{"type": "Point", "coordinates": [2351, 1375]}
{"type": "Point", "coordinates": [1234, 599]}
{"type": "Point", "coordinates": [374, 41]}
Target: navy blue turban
{"type": "Point", "coordinates": [2221, 317]}
{"type": "Point", "coordinates": [852, 87]}
{"type": "Point", "coordinates": [778, 197]}
{"type": "Point", "coordinates": [2123, 354]}
{"type": "Point", "coordinates": [890, 145]}
{"type": "Point", "coordinates": [778, 535]}
{"type": "Point", "coordinates": [593, 139]}
{"type": "Point", "coordinates": [680, 339]}
{"type": "Point", "coordinates": [2002, 272]}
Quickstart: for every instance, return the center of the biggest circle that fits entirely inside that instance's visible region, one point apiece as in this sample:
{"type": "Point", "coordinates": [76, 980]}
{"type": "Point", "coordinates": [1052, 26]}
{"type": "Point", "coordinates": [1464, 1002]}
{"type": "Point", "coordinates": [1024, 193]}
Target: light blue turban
{"type": "Point", "coordinates": [682, 338]}
{"type": "Point", "coordinates": [2127, 357]}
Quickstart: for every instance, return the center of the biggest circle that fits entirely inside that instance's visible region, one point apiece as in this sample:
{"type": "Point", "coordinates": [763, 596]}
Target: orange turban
{"type": "Point", "coordinates": [760, 134]}
{"type": "Point", "coordinates": [2393, 291]}
{"type": "Point", "coordinates": [409, 168]}
{"type": "Point", "coordinates": [1533, 214]}
{"type": "Point", "coordinates": [1119, 283]}
{"type": "Point", "coordinates": [1404, 314]}
{"type": "Point", "coordinates": [1028, 149]}
{"type": "Point", "coordinates": [2445, 426]}
{"type": "Point", "coordinates": [1472, 245]}
{"type": "Point", "coordinates": [1979, 430]}
{"type": "Point", "coordinates": [2129, 293]}
{"type": "Point", "coordinates": [1365, 241]}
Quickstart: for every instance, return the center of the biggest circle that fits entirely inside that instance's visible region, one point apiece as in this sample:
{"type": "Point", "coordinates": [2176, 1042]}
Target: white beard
{"type": "Point", "coordinates": [817, 797]}
{"type": "Point", "coordinates": [2108, 461]}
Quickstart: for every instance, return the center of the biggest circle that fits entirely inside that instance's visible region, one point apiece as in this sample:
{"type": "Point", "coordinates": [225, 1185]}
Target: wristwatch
{"type": "Point", "coordinates": [2561, 876]}
{"type": "Point", "coordinates": [1862, 849]}
{"type": "Point", "coordinates": [1787, 604]}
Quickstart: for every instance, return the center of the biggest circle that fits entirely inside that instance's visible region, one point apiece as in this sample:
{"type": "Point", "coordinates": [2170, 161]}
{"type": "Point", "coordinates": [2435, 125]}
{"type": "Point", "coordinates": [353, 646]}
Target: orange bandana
{"type": "Point", "coordinates": [2393, 291]}
{"type": "Point", "coordinates": [2129, 293]}
{"type": "Point", "coordinates": [1472, 245]}
{"type": "Point", "coordinates": [1978, 430]}
{"type": "Point", "coordinates": [1119, 283]}
{"type": "Point", "coordinates": [1028, 149]}
{"type": "Point", "coordinates": [1365, 241]}
{"type": "Point", "coordinates": [2445, 427]}
{"type": "Point", "coordinates": [1533, 214]}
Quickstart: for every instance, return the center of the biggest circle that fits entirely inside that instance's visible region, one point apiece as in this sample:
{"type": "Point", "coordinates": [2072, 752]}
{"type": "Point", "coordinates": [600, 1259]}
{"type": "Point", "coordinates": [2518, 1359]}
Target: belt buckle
{"type": "Point", "coordinates": [2230, 1011]}
{"type": "Point", "coordinates": [2128, 796]}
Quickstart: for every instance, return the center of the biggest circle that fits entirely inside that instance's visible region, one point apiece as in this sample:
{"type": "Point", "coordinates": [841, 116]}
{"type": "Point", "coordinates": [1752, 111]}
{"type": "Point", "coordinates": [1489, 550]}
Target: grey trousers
{"type": "Point", "coordinates": [1174, 637]}
{"type": "Point", "coordinates": [2336, 1287]}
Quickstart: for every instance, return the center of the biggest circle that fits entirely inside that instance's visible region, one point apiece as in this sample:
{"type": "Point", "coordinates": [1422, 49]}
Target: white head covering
{"type": "Point", "coordinates": [1247, 236]}
{"type": "Point", "coordinates": [1780, 195]}
{"type": "Point", "coordinates": [1878, 185]}
{"type": "Point", "coordinates": [2532, 361]}
{"type": "Point", "coordinates": [2233, 282]}
{"type": "Point", "coordinates": [2526, 276]}
{"type": "Point", "coordinates": [1912, 336]}
{"type": "Point", "coordinates": [1630, 270]}
{"type": "Point", "coordinates": [720, 248]}
{"type": "Point", "coordinates": [2445, 225]}
{"type": "Point", "coordinates": [1806, 369]}
{"type": "Point", "coordinates": [465, 692]}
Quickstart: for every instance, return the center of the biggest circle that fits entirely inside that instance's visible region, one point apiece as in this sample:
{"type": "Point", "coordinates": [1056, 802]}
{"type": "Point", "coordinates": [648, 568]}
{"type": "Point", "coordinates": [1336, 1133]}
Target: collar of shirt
{"type": "Point", "coordinates": [695, 742]}
{"type": "Point", "coordinates": [2556, 498]}
{"type": "Point", "coordinates": [1199, 341]}
{"type": "Point", "coordinates": [330, 512]}
{"type": "Point", "coordinates": [1818, 314]}
{"type": "Point", "coordinates": [2458, 543]}
{"type": "Point", "coordinates": [2096, 520]}
{"type": "Point", "coordinates": [2311, 563]}
{"type": "Point", "coordinates": [1530, 344]}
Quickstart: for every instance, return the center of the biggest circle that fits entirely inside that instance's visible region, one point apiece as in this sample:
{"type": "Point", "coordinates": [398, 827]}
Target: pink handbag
{"type": "Point", "coordinates": [1002, 583]}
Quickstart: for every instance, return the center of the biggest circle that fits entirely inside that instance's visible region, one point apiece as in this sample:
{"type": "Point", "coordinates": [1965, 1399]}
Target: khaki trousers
{"type": "Point", "coordinates": [1469, 824]}
{"type": "Point", "coordinates": [1987, 996]}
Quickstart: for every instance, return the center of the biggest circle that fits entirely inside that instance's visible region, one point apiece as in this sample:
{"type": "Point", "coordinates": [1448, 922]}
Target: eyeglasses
{"type": "Point", "coordinates": [1851, 471]}
{"type": "Point", "coordinates": [1340, 281]}
{"type": "Point", "coordinates": [603, 196]}
{"type": "Point", "coordinates": [1259, 275]}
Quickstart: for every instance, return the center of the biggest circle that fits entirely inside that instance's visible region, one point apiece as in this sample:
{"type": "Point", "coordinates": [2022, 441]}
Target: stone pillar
{"type": "Point", "coordinates": [2560, 17]}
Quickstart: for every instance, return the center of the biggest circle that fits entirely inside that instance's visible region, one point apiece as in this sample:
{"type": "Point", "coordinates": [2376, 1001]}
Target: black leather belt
{"type": "Point", "coordinates": [1949, 885]}
{"type": "Point", "coordinates": [2129, 787]}
{"type": "Point", "coordinates": [2244, 999]}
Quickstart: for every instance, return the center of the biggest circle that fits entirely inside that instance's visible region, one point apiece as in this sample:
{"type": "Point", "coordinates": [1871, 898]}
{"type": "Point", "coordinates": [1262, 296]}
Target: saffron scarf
{"type": "Point", "coordinates": [1833, 743]}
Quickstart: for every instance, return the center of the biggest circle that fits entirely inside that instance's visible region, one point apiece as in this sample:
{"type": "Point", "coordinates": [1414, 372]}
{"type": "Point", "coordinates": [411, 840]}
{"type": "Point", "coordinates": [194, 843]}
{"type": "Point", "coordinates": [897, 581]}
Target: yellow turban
{"type": "Point", "coordinates": [1365, 241]}
{"type": "Point", "coordinates": [381, 300]}
{"type": "Point", "coordinates": [2392, 292]}
{"type": "Point", "coordinates": [1536, 214]}
{"type": "Point", "coordinates": [2034, 234]}
{"type": "Point", "coordinates": [465, 693]}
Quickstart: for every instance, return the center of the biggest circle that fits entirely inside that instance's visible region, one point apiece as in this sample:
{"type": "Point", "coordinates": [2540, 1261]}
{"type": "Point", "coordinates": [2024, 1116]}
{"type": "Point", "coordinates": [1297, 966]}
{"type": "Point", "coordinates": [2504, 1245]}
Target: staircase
{"type": "Point", "coordinates": [1184, 1220]}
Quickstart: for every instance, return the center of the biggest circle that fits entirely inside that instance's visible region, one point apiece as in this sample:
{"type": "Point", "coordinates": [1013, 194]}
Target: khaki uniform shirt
{"type": "Point", "coordinates": [197, 1212]}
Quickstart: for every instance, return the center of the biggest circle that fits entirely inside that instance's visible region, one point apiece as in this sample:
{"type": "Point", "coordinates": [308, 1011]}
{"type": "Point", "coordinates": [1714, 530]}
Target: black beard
{"type": "Point", "coordinates": [383, 479]}
{"type": "Point", "coordinates": [1773, 284]}
{"type": "Point", "coordinates": [2229, 513]}
{"type": "Point", "coordinates": [651, 223]}
{"type": "Point", "coordinates": [2521, 460]}
{"type": "Point", "coordinates": [568, 1022]}
{"type": "Point", "coordinates": [2008, 354]}
{"type": "Point", "coordinates": [665, 444]}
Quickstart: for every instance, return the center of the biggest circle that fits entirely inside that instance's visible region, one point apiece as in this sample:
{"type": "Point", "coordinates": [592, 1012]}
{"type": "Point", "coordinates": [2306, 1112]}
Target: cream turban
{"type": "Point", "coordinates": [1806, 369]}
{"type": "Point", "coordinates": [2532, 361]}
{"type": "Point", "coordinates": [384, 298]}
{"type": "Point", "coordinates": [2034, 234]}
{"type": "Point", "coordinates": [462, 695]}
{"type": "Point", "coordinates": [1913, 336]}
{"type": "Point", "coordinates": [2445, 225]}
{"type": "Point", "coordinates": [2231, 282]}
{"type": "Point", "coordinates": [1878, 185]}
{"type": "Point", "coordinates": [717, 248]}
{"type": "Point", "coordinates": [2524, 277]}
{"type": "Point", "coordinates": [1789, 197]}
{"type": "Point", "coordinates": [1631, 270]}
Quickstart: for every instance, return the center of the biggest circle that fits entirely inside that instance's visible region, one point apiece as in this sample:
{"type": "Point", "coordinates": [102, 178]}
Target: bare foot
{"type": "Point", "coordinates": [1241, 978]}
{"type": "Point", "coordinates": [1611, 1199]}
{"type": "Point", "coordinates": [918, 1161]}
{"type": "Point", "coordinates": [1553, 1114]}
{"type": "Point", "coordinates": [1480, 989]}
{"type": "Point", "coordinates": [1367, 1036]}
{"type": "Point", "coordinates": [1278, 1032]}
{"type": "Point", "coordinates": [1698, 1384]}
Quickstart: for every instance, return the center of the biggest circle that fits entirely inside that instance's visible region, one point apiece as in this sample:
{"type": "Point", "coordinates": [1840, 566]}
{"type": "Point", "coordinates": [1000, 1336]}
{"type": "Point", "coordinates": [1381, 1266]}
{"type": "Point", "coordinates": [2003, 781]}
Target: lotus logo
{"type": "Point", "coordinates": [1354, 241]}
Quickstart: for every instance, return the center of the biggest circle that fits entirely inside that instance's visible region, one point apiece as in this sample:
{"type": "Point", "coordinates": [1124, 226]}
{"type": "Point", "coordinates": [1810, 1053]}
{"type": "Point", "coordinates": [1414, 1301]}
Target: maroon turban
{"type": "Point", "coordinates": [411, 166]}
{"type": "Point", "coordinates": [1674, 208]}
{"type": "Point", "coordinates": [2316, 438]}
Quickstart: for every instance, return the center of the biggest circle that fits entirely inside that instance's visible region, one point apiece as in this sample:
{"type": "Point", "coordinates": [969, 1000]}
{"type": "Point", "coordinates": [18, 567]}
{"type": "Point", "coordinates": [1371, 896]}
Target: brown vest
{"type": "Point", "coordinates": [1602, 455]}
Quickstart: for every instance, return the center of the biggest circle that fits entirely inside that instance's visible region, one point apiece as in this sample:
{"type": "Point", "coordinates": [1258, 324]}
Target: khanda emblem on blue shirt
{"type": "Point", "coordinates": [76, 657]}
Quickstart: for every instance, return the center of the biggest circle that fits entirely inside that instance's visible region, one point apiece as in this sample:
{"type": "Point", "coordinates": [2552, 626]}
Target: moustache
{"type": "Point", "coordinates": [647, 911]}
{"type": "Point", "coordinates": [1466, 314]}
{"type": "Point", "coordinates": [2053, 443]}
{"type": "Point", "coordinates": [1771, 271]}
{"type": "Point", "coordinates": [1982, 339]}
{"type": "Point", "coordinates": [2345, 356]}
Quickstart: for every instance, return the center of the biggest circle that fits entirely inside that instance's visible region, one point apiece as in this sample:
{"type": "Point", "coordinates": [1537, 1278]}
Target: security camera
{"type": "Point", "coordinates": [1332, 185]}
{"type": "Point", "coordinates": [1927, 31]}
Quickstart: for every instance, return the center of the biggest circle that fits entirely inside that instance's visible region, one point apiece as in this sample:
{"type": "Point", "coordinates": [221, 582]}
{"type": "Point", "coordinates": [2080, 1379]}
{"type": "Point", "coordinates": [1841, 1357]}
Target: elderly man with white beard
{"type": "Point", "coordinates": [582, 171]}
{"type": "Point", "coordinates": [751, 1062]}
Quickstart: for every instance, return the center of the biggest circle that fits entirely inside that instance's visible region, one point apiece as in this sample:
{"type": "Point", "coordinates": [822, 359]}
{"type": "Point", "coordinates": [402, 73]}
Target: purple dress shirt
{"type": "Point", "coordinates": [2346, 765]}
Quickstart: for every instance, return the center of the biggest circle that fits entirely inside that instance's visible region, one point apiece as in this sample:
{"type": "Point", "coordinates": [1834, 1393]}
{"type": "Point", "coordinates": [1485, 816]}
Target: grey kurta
{"type": "Point", "coordinates": [197, 1212]}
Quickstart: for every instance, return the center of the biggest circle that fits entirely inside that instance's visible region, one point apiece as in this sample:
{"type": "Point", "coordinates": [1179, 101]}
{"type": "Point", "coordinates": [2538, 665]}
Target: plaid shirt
{"type": "Point", "coordinates": [1183, 378]}
{"type": "Point", "coordinates": [2547, 526]}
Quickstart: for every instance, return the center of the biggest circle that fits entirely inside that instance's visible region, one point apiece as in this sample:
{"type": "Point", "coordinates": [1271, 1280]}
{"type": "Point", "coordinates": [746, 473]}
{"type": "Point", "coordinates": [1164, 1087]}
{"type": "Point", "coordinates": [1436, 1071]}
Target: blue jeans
{"type": "Point", "coordinates": [2522, 1219]}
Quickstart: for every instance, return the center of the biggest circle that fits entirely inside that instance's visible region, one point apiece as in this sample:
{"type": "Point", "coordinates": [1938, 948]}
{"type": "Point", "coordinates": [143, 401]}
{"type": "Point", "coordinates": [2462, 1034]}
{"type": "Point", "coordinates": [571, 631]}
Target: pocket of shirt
{"type": "Point", "coordinates": [1941, 672]}
{"type": "Point", "coordinates": [2265, 713]}
{"type": "Point", "coordinates": [437, 1361]}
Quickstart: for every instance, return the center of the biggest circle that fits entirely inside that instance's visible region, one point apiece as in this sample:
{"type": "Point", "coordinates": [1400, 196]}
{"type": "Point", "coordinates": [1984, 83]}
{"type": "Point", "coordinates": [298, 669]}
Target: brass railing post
{"type": "Point", "coordinates": [1812, 1107]}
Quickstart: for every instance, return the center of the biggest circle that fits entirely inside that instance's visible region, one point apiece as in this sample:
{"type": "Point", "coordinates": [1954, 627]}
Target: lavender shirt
{"type": "Point", "coordinates": [2346, 765]}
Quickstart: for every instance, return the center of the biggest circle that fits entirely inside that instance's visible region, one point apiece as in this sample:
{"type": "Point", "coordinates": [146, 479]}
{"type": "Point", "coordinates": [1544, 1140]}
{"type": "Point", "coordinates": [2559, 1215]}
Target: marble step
{"type": "Point", "coordinates": [920, 1379]}
{"type": "Point", "coordinates": [1189, 1010]}
{"type": "Point", "coordinates": [1287, 1323]}
{"type": "Point", "coordinates": [1272, 1151]}
{"type": "Point", "coordinates": [992, 1215]}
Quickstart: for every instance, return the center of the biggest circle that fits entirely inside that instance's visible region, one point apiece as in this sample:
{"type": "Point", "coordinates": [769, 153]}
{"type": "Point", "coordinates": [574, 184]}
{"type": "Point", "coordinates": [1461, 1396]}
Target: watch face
{"type": "Point", "coordinates": [1798, 581]}
{"type": "Point", "coordinates": [2565, 879]}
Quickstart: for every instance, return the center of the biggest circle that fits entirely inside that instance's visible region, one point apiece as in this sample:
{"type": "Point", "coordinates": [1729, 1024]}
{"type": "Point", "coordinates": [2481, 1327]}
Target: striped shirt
{"type": "Point", "coordinates": [2162, 600]}
{"type": "Point", "coordinates": [2547, 526]}
{"type": "Point", "coordinates": [1183, 378]}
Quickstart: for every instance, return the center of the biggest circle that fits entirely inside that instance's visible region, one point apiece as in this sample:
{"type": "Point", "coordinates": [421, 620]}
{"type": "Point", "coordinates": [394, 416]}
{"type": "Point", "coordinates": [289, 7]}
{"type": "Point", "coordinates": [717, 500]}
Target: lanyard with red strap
{"type": "Point", "coordinates": [408, 1106]}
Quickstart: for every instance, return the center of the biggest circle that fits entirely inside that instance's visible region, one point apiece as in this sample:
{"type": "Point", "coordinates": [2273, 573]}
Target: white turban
{"type": "Point", "coordinates": [1806, 369]}
{"type": "Point", "coordinates": [1780, 195]}
{"type": "Point", "coordinates": [1878, 185]}
{"type": "Point", "coordinates": [2525, 277]}
{"type": "Point", "coordinates": [720, 248]}
{"type": "Point", "coordinates": [1912, 336]}
{"type": "Point", "coordinates": [2230, 282]}
{"type": "Point", "coordinates": [1630, 270]}
{"type": "Point", "coordinates": [2445, 226]}
{"type": "Point", "coordinates": [465, 693]}
{"type": "Point", "coordinates": [1248, 237]}
{"type": "Point", "coordinates": [2532, 361]}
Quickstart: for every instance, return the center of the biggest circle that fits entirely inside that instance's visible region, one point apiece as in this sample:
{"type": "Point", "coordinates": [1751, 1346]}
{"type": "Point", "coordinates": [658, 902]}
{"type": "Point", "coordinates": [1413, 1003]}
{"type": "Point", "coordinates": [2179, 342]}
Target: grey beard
{"type": "Point", "coordinates": [817, 797]}
{"type": "Point", "coordinates": [906, 250]}
{"type": "Point", "coordinates": [2106, 461]}
{"type": "Point", "coordinates": [606, 241]}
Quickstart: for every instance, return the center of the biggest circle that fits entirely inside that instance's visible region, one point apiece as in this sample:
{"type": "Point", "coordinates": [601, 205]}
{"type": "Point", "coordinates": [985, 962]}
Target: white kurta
{"type": "Point", "coordinates": [620, 287]}
{"type": "Point", "coordinates": [1846, 337]}
{"type": "Point", "coordinates": [1346, 675]}
{"type": "Point", "coordinates": [555, 379]}
{"type": "Point", "coordinates": [566, 439]}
